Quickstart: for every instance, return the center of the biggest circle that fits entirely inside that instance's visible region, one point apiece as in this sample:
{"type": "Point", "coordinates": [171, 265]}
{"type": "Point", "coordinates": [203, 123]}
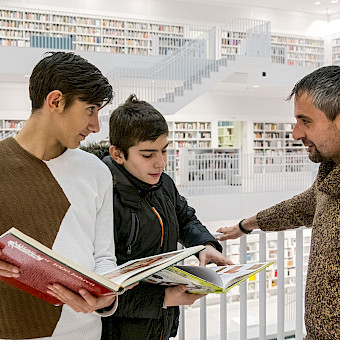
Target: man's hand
{"type": "Point", "coordinates": [210, 254]}
{"type": "Point", "coordinates": [8, 270]}
{"type": "Point", "coordinates": [229, 233]}
{"type": "Point", "coordinates": [84, 302]}
{"type": "Point", "coordinates": [176, 296]}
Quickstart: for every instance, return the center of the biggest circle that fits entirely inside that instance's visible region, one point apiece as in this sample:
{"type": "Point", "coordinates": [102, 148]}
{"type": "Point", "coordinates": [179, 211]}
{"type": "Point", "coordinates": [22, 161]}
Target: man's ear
{"type": "Point", "coordinates": [116, 154]}
{"type": "Point", "coordinates": [55, 100]}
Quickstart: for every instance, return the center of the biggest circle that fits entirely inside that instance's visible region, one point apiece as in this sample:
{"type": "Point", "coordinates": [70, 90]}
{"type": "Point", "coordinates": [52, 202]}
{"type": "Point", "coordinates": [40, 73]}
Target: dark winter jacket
{"type": "Point", "coordinates": [139, 233]}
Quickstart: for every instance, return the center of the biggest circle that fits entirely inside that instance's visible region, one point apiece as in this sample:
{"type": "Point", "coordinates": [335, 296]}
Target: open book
{"type": "Point", "coordinates": [203, 280]}
{"type": "Point", "coordinates": [40, 266]}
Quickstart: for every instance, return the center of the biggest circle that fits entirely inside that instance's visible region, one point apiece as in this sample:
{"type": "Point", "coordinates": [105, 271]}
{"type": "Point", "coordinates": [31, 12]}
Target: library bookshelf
{"type": "Point", "coordinates": [272, 139]}
{"type": "Point", "coordinates": [336, 51]}
{"type": "Point", "coordinates": [26, 27]}
{"type": "Point", "coordinates": [43, 28]}
{"type": "Point", "coordinates": [10, 127]}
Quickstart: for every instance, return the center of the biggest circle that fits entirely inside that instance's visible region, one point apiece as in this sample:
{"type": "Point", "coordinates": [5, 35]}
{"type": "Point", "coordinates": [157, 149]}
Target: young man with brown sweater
{"type": "Point", "coordinates": [59, 195]}
{"type": "Point", "coordinates": [317, 112]}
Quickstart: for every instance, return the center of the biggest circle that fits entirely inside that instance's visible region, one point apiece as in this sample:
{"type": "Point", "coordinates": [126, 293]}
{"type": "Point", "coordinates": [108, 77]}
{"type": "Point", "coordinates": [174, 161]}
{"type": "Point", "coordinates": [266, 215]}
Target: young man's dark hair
{"type": "Point", "coordinates": [135, 121]}
{"type": "Point", "coordinates": [73, 75]}
{"type": "Point", "coordinates": [322, 86]}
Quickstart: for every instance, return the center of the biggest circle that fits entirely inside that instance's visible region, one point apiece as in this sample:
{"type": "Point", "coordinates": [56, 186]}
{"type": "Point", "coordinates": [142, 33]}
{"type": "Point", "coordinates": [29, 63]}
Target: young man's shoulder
{"type": "Point", "coordinates": [89, 161]}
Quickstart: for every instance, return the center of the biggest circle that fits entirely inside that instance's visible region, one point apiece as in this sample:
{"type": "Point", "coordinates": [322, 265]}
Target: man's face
{"type": "Point", "coordinates": [76, 122]}
{"type": "Point", "coordinates": [321, 136]}
{"type": "Point", "coordinates": [147, 160]}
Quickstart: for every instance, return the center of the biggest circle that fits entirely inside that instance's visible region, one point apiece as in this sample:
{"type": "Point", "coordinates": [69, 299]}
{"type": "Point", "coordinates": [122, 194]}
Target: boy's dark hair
{"type": "Point", "coordinates": [98, 149]}
{"type": "Point", "coordinates": [323, 86]}
{"type": "Point", "coordinates": [71, 74]}
{"type": "Point", "coordinates": [135, 121]}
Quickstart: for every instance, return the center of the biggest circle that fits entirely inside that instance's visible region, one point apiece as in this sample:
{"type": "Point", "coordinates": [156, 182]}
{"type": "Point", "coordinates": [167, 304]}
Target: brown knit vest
{"type": "Point", "coordinates": [32, 201]}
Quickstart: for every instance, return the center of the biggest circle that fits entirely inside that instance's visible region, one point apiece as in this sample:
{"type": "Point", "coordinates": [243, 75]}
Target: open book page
{"type": "Point", "coordinates": [134, 270]}
{"type": "Point", "coordinates": [216, 279]}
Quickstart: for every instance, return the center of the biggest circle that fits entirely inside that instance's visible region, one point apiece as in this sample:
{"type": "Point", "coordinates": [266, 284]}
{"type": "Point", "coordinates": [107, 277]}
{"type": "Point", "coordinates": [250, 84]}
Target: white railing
{"type": "Point", "coordinates": [211, 320]}
{"type": "Point", "coordinates": [241, 173]}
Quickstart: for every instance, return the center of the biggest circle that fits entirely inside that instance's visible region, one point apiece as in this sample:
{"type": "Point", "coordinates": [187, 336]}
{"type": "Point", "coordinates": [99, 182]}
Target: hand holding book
{"type": "Point", "coordinates": [83, 302]}
{"type": "Point", "coordinates": [8, 270]}
{"type": "Point", "coordinates": [178, 296]}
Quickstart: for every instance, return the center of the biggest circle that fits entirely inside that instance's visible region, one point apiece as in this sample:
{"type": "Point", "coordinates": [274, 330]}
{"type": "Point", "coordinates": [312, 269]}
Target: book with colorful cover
{"type": "Point", "coordinates": [204, 280]}
{"type": "Point", "coordinates": [41, 266]}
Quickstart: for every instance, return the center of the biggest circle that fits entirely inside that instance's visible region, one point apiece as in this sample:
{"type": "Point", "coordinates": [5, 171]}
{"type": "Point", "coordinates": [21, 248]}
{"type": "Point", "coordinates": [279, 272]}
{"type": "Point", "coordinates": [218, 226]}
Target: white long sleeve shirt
{"type": "Point", "coordinates": [86, 232]}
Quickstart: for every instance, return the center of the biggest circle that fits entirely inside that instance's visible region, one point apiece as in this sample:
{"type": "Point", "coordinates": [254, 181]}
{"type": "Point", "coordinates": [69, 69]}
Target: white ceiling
{"type": "Point", "coordinates": [305, 6]}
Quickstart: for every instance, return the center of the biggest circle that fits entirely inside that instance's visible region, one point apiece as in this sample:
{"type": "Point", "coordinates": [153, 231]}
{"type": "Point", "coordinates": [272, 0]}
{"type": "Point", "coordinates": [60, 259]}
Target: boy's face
{"type": "Point", "coordinates": [76, 122]}
{"type": "Point", "coordinates": [147, 160]}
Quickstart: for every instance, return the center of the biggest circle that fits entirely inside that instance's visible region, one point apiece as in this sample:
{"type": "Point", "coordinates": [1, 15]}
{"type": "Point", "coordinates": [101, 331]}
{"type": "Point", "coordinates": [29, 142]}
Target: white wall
{"type": "Point", "coordinates": [235, 206]}
{"type": "Point", "coordinates": [18, 61]}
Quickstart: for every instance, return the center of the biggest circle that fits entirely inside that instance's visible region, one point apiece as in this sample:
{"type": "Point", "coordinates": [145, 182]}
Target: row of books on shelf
{"type": "Point", "coordinates": [188, 135]}
{"type": "Point", "coordinates": [11, 124]}
{"type": "Point", "coordinates": [277, 144]}
{"type": "Point", "coordinates": [27, 15]}
{"type": "Point", "coordinates": [273, 135]}
{"type": "Point", "coordinates": [192, 125]}
{"type": "Point", "coordinates": [187, 145]}
{"type": "Point", "coordinates": [273, 126]}
{"type": "Point", "coordinates": [297, 41]}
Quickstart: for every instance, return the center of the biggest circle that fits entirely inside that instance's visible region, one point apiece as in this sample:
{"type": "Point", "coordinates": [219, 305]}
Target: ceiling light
{"type": "Point", "coordinates": [317, 2]}
{"type": "Point", "coordinates": [256, 85]}
{"type": "Point", "coordinates": [334, 1]}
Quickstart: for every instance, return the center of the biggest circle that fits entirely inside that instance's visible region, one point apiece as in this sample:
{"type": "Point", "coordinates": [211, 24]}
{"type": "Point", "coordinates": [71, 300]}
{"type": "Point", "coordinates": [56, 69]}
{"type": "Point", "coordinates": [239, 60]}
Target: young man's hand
{"type": "Point", "coordinates": [210, 254]}
{"type": "Point", "coordinates": [8, 270]}
{"type": "Point", "coordinates": [84, 302]}
{"type": "Point", "coordinates": [177, 296]}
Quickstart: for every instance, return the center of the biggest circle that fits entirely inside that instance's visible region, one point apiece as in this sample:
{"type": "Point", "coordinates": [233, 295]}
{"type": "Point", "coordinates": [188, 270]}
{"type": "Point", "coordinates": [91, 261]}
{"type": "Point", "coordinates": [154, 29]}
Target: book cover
{"type": "Point", "coordinates": [41, 266]}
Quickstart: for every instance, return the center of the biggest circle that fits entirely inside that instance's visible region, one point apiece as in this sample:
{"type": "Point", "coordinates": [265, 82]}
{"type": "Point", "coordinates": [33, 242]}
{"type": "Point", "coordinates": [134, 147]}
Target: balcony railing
{"type": "Point", "coordinates": [240, 173]}
{"type": "Point", "coordinates": [288, 296]}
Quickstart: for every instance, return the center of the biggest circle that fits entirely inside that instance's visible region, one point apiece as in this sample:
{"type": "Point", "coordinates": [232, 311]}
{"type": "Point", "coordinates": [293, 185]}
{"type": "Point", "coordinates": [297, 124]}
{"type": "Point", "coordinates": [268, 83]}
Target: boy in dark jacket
{"type": "Point", "coordinates": [150, 217]}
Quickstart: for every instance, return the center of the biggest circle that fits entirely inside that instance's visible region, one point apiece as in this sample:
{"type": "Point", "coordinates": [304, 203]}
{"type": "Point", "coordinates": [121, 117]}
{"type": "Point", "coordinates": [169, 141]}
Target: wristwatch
{"type": "Point", "coordinates": [244, 231]}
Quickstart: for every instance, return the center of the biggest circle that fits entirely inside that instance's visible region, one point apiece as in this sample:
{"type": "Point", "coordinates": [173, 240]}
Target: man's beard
{"type": "Point", "coordinates": [317, 157]}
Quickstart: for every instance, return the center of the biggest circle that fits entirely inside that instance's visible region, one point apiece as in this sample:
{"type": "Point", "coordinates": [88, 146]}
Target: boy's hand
{"type": "Point", "coordinates": [8, 270]}
{"type": "Point", "coordinates": [210, 254]}
{"type": "Point", "coordinates": [177, 296]}
{"type": "Point", "coordinates": [84, 302]}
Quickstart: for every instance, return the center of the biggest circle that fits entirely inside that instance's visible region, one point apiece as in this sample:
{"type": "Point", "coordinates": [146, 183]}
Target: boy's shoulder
{"type": "Point", "coordinates": [168, 184]}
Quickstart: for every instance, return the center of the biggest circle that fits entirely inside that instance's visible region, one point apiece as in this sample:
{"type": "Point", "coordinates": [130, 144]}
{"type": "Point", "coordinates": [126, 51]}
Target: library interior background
{"type": "Point", "coordinates": [220, 71]}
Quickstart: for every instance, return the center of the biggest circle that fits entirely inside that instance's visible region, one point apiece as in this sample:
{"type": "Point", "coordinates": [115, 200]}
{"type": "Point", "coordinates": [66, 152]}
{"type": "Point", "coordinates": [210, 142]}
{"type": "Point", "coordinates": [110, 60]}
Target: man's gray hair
{"type": "Point", "coordinates": [323, 86]}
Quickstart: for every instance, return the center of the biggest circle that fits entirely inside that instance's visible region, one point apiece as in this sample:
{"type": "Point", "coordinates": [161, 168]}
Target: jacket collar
{"type": "Point", "coordinates": [328, 179]}
{"type": "Point", "coordinates": [129, 187]}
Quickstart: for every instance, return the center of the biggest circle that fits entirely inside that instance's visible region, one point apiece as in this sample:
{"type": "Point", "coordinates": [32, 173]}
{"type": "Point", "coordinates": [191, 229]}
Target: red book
{"type": "Point", "coordinates": [41, 266]}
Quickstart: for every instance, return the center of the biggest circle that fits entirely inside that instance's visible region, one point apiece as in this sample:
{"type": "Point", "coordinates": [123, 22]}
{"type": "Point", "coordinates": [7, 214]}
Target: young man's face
{"type": "Point", "coordinates": [321, 136]}
{"type": "Point", "coordinates": [76, 122]}
{"type": "Point", "coordinates": [147, 160]}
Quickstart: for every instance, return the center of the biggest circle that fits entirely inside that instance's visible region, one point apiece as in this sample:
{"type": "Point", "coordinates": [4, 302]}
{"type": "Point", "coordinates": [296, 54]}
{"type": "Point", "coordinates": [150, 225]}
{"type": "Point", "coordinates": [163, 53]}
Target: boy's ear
{"type": "Point", "coordinates": [116, 154]}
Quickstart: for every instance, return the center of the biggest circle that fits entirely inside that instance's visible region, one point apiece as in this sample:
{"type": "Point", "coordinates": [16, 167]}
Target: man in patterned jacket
{"type": "Point", "coordinates": [317, 112]}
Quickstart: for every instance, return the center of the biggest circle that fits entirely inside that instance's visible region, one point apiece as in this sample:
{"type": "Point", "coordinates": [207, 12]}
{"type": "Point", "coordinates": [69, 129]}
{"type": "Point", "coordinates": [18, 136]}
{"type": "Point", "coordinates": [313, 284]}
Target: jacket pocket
{"type": "Point", "coordinates": [133, 232]}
